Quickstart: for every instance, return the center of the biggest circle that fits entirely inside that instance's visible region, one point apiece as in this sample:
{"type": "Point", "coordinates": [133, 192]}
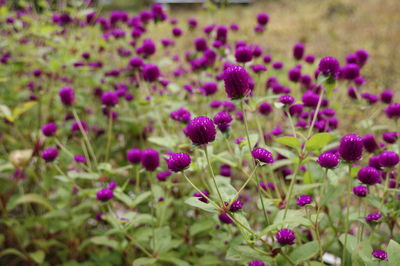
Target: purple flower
{"type": "Point", "coordinates": [105, 194]}
{"type": "Point", "coordinates": [134, 156]}
{"type": "Point", "coordinates": [256, 263]}
{"type": "Point", "coordinates": [369, 143]}
{"type": "Point", "coordinates": [387, 96]}
{"type": "Point", "coordinates": [49, 129]}
{"type": "Point", "coordinates": [200, 44]}
{"type": "Point", "coordinates": [77, 125]}
{"type": "Point", "coordinates": [304, 200]}
{"type": "Point", "coordinates": [388, 159]}
{"type": "Point", "coordinates": [151, 72]}
{"type": "Point", "coordinates": [67, 96]}
{"type": "Point", "coordinates": [79, 159]}
{"type": "Point", "coordinates": [360, 191]}
{"type": "Point", "coordinates": [380, 254]}
{"type": "Point", "coordinates": [243, 54]}
{"type": "Point", "coordinates": [223, 120]}
{"type": "Point", "coordinates": [181, 115]}
{"type": "Point", "coordinates": [178, 162]}
{"type": "Point", "coordinates": [328, 160]}
{"type": "Point", "coordinates": [209, 88]}
{"type": "Point", "coordinates": [329, 66]}
{"type": "Point", "coordinates": [285, 237]}
{"type": "Point", "coordinates": [286, 99]}
{"type": "Point", "coordinates": [201, 130]}
{"type": "Point", "coordinates": [225, 170]}
{"type": "Point", "coordinates": [369, 175]}
{"type": "Point", "coordinates": [150, 159]}
{"type": "Point", "coordinates": [177, 32]}
{"type": "Point", "coordinates": [298, 51]}
{"type": "Point", "coordinates": [224, 218]}
{"type": "Point", "coordinates": [49, 154]}
{"type": "Point", "coordinates": [162, 176]}
{"type": "Point", "coordinates": [362, 57]}
{"type": "Point", "coordinates": [277, 65]}
{"type": "Point", "coordinates": [390, 137]}
{"type": "Point", "coordinates": [236, 206]}
{"type": "Point", "coordinates": [262, 155]}
{"type": "Point", "coordinates": [109, 99]}
{"type": "Point", "coordinates": [350, 71]}
{"type": "Point", "coordinates": [294, 74]}
{"type": "Point", "coordinates": [201, 197]}
{"type": "Point", "coordinates": [393, 111]}
{"type": "Point", "coordinates": [236, 81]}
{"type": "Point", "coordinates": [136, 62]}
{"type": "Point", "coordinates": [310, 99]}
{"type": "Point", "coordinates": [350, 148]}
{"type": "Point", "coordinates": [373, 217]}
{"type": "Point", "coordinates": [262, 19]}
{"type": "Point", "coordinates": [265, 108]}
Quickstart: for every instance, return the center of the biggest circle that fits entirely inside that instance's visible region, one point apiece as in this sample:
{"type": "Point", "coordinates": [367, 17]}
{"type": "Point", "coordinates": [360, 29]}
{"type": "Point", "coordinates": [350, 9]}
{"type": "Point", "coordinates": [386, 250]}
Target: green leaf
{"type": "Point", "coordinates": [144, 261]}
{"type": "Point", "coordinates": [201, 226]}
{"type": "Point", "coordinates": [305, 252]}
{"type": "Point", "coordinates": [167, 142]}
{"type": "Point", "coordinates": [22, 108]}
{"type": "Point", "coordinates": [318, 141]}
{"type": "Point", "coordinates": [393, 251]}
{"type": "Point", "coordinates": [104, 241]}
{"type": "Point", "coordinates": [142, 197]}
{"type": "Point", "coordinates": [162, 240]}
{"type": "Point", "coordinates": [30, 198]}
{"type": "Point", "coordinates": [195, 202]}
{"type": "Point", "coordinates": [244, 253]}
{"type": "Point", "coordinates": [289, 141]}
{"type": "Point", "coordinates": [351, 242]}
{"type": "Point", "coordinates": [38, 256]}
{"type": "Point", "coordinates": [322, 78]}
{"type": "Point", "coordinates": [12, 251]}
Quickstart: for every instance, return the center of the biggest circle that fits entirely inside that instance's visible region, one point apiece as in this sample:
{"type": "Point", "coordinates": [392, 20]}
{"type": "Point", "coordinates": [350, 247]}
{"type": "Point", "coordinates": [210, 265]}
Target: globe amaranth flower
{"type": "Point", "coordinates": [256, 263]}
{"type": "Point", "coordinates": [277, 65]}
{"type": "Point", "coordinates": [393, 111]}
{"type": "Point", "coordinates": [201, 196]}
{"type": "Point", "coordinates": [178, 162]}
{"type": "Point", "coordinates": [380, 254]}
{"type": "Point", "coordinates": [109, 99]}
{"type": "Point", "coordinates": [150, 159]}
{"type": "Point", "coordinates": [223, 120]}
{"type": "Point", "coordinates": [265, 108]}
{"type": "Point", "coordinates": [200, 44]}
{"type": "Point", "coordinates": [370, 143]}
{"type": "Point", "coordinates": [209, 88]}
{"type": "Point", "coordinates": [236, 81]}
{"type": "Point", "coordinates": [262, 19]}
{"type": "Point", "coordinates": [49, 154]}
{"type": "Point", "coordinates": [286, 100]}
{"type": "Point", "coordinates": [388, 159]}
{"type": "Point", "coordinates": [236, 206]}
{"type": "Point", "coordinates": [362, 57]}
{"type": "Point", "coordinates": [134, 156]}
{"type": "Point", "coordinates": [151, 72]}
{"type": "Point", "coordinates": [374, 161]}
{"type": "Point", "coordinates": [350, 148]}
{"type": "Point", "coordinates": [310, 99]}
{"type": "Point", "coordinates": [181, 115]}
{"type": "Point", "coordinates": [136, 62]}
{"type": "Point", "coordinates": [390, 137]}
{"type": "Point", "coordinates": [243, 54]}
{"type": "Point", "coordinates": [49, 129]}
{"type": "Point", "coordinates": [329, 66]}
{"type": "Point", "coordinates": [224, 218]}
{"type": "Point", "coordinates": [350, 71]}
{"type": "Point", "coordinates": [225, 170]}
{"type": "Point", "coordinates": [105, 194]}
{"type": "Point", "coordinates": [80, 159]}
{"type": "Point", "coordinates": [285, 236]}
{"type": "Point", "coordinates": [310, 58]}
{"type": "Point", "coordinates": [368, 175]}
{"type": "Point", "coordinates": [328, 160]}
{"type": "Point", "coordinates": [373, 217]}
{"type": "Point", "coordinates": [262, 155]}
{"type": "Point", "coordinates": [304, 200]}
{"type": "Point", "coordinates": [360, 191]}
{"type": "Point", "coordinates": [67, 96]}
{"type": "Point", "coordinates": [162, 176]}
{"type": "Point", "coordinates": [201, 130]}
{"type": "Point", "coordinates": [77, 125]}
{"type": "Point", "coordinates": [298, 51]}
{"type": "Point", "coordinates": [387, 96]}
{"type": "Point", "coordinates": [294, 74]}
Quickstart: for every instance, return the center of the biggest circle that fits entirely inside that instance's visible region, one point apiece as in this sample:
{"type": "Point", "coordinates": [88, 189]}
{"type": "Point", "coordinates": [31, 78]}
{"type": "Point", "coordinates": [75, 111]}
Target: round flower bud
{"type": "Point", "coordinates": [286, 99]}
{"type": "Point", "coordinates": [350, 71]}
{"type": "Point", "coordinates": [262, 155]}
{"type": "Point", "coordinates": [49, 129]}
{"type": "Point", "coordinates": [350, 148]}
{"type": "Point", "coordinates": [181, 115]}
{"type": "Point", "coordinates": [380, 254]}
{"type": "Point", "coordinates": [49, 154]}
{"type": "Point", "coordinates": [373, 217]}
{"type": "Point", "coordinates": [304, 200]}
{"type": "Point", "coordinates": [201, 197]}
{"type": "Point", "coordinates": [262, 19]}
{"type": "Point", "coordinates": [178, 162]}
{"type": "Point", "coordinates": [285, 237]}
{"type": "Point", "coordinates": [265, 108]}
{"type": "Point", "coordinates": [360, 191]}
{"type": "Point", "coordinates": [387, 96]}
{"type": "Point", "coordinates": [388, 159]}
{"type": "Point", "coordinates": [150, 159]}
{"type": "Point", "coordinates": [105, 194]}
{"type": "Point", "coordinates": [328, 160]}
{"type": "Point", "coordinates": [256, 263]}
{"type": "Point", "coordinates": [162, 176]}
{"type": "Point", "coordinates": [368, 175]}
{"type": "Point", "coordinates": [390, 137]}
{"type": "Point", "coordinates": [224, 218]}
{"type": "Point", "coordinates": [201, 130]}
{"type": "Point", "coordinates": [310, 99]}
{"type": "Point", "coordinates": [236, 206]}
{"type": "Point", "coordinates": [151, 72]}
{"type": "Point", "coordinates": [223, 120]}
{"type": "Point", "coordinates": [209, 88]}
{"type": "Point", "coordinates": [67, 96]}
{"type": "Point", "coordinates": [109, 99]}
{"type": "Point", "coordinates": [134, 156]}
{"type": "Point", "coordinates": [298, 51]}
{"type": "Point", "coordinates": [369, 143]}
{"type": "Point", "coordinates": [329, 66]}
{"type": "Point", "coordinates": [393, 111]}
{"type": "Point", "coordinates": [243, 54]}
{"type": "Point", "coordinates": [79, 159]}
{"type": "Point", "coordinates": [236, 81]}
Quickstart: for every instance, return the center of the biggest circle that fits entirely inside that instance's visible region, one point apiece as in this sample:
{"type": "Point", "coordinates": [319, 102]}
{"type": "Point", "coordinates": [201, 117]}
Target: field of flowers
{"type": "Point", "coordinates": [231, 136]}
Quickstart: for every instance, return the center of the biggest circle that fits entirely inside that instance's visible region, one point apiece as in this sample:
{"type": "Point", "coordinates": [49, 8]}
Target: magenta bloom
{"type": "Point", "coordinates": [265, 108]}
{"type": "Point", "coordinates": [243, 54]}
{"type": "Point", "coordinates": [109, 99]}
{"type": "Point", "coordinates": [262, 155]}
{"type": "Point", "coordinates": [360, 191]}
{"type": "Point", "coordinates": [256, 263]}
{"type": "Point", "coordinates": [201, 130]}
{"type": "Point", "coordinates": [49, 129]}
{"type": "Point", "coordinates": [393, 111]}
{"type": "Point", "coordinates": [105, 194]}
{"type": "Point", "coordinates": [370, 143]}
{"type": "Point", "coordinates": [79, 159]}
{"type": "Point", "coordinates": [373, 217]}
{"type": "Point", "coordinates": [328, 160]}
{"type": "Point", "coordinates": [49, 154]}
{"type": "Point", "coordinates": [369, 175]}
{"type": "Point", "coordinates": [388, 159]}
{"type": "Point", "coordinates": [350, 148]}
{"type": "Point", "coordinates": [329, 66]}
{"type": "Point", "coordinates": [236, 81]}
{"type": "Point", "coordinates": [298, 51]}
{"type": "Point", "coordinates": [262, 19]}
{"type": "Point", "coordinates": [223, 120]}
{"type": "Point", "coordinates": [67, 96]}
{"type": "Point", "coordinates": [151, 72]}
{"type": "Point", "coordinates": [304, 200]}
{"type": "Point", "coordinates": [134, 156]}
{"type": "Point", "coordinates": [181, 115]}
{"type": "Point", "coordinates": [224, 218]}
{"type": "Point", "coordinates": [285, 237]}
{"type": "Point", "coordinates": [178, 162]}
{"type": "Point", "coordinates": [380, 254]}
{"type": "Point", "coordinates": [150, 159]}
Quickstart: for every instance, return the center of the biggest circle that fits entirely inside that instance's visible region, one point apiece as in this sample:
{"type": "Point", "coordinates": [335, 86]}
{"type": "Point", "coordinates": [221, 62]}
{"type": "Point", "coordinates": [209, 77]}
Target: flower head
{"type": "Point", "coordinates": [298, 51]}
{"type": "Point", "coordinates": [388, 159]}
{"type": "Point", "coordinates": [380, 254]}
{"type": "Point", "coordinates": [49, 154]}
{"type": "Point", "coordinates": [178, 162]}
{"type": "Point", "coordinates": [223, 120]}
{"type": "Point", "coordinates": [285, 237]}
{"type": "Point", "coordinates": [236, 81]}
{"type": "Point", "coordinates": [360, 191]}
{"type": "Point", "coordinates": [373, 217]}
{"type": "Point", "coordinates": [304, 200]}
{"type": "Point", "coordinates": [369, 175]}
{"type": "Point", "coordinates": [49, 129]}
{"type": "Point", "coordinates": [224, 218]}
{"type": "Point", "coordinates": [134, 156]}
{"type": "Point", "coordinates": [105, 194]}
{"type": "Point", "coordinates": [329, 66]}
{"type": "Point", "coordinates": [262, 155]}
{"type": "Point", "coordinates": [67, 96]}
{"type": "Point", "coordinates": [201, 130]}
{"type": "Point", "coordinates": [328, 160]}
{"type": "Point", "coordinates": [150, 159]}
{"type": "Point", "coordinates": [350, 148]}
{"type": "Point", "coordinates": [256, 263]}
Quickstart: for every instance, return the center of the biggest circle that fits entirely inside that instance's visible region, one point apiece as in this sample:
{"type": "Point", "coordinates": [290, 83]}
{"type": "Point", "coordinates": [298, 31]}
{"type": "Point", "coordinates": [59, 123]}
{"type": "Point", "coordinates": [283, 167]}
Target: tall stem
{"type": "Point", "coordinates": [198, 190]}
{"type": "Point", "coordinates": [212, 174]}
{"type": "Point", "coordinates": [109, 134]}
{"type": "Point", "coordinates": [316, 113]}
{"type": "Point", "coordinates": [289, 195]}
{"type": "Point", "coordinates": [347, 216]}
{"type": "Point", "coordinates": [245, 125]}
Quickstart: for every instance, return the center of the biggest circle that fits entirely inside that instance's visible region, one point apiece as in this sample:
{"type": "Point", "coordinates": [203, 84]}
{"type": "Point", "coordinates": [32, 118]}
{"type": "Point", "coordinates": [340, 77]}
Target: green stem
{"type": "Point", "coordinates": [109, 134]}
{"type": "Point", "coordinates": [288, 258]}
{"type": "Point", "coordinates": [244, 185]}
{"type": "Point", "coordinates": [347, 216]}
{"type": "Point", "coordinates": [245, 125]}
{"type": "Point", "coordinates": [316, 112]}
{"type": "Point", "coordinates": [289, 195]}
{"type": "Point", "coordinates": [198, 190]}
{"type": "Point", "coordinates": [212, 174]}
